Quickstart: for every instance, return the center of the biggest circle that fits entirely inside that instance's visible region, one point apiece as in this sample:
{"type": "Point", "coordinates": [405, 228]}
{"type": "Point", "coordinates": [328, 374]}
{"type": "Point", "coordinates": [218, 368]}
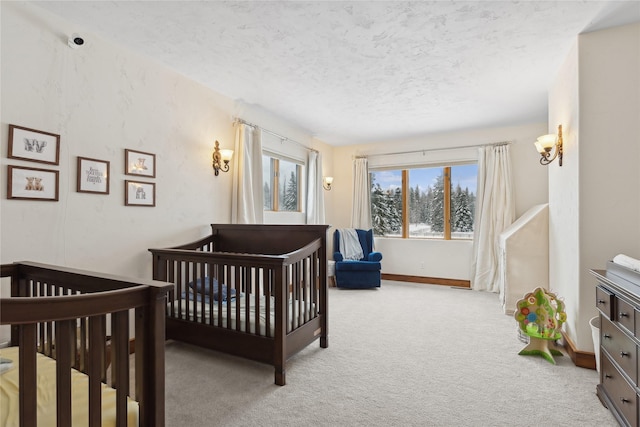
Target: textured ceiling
{"type": "Point", "coordinates": [357, 72]}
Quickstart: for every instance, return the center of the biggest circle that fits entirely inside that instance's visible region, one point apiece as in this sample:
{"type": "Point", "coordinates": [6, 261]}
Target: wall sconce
{"type": "Point", "coordinates": [221, 159]}
{"type": "Point", "coordinates": [545, 144]}
{"type": "Point", "coordinates": [326, 182]}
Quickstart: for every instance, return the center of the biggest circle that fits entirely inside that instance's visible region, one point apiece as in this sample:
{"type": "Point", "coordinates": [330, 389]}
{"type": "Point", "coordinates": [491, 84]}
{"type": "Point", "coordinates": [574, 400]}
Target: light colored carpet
{"type": "Point", "coordinates": [402, 355]}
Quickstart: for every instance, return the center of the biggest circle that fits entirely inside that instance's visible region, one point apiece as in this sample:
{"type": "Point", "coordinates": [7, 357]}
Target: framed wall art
{"type": "Point", "coordinates": [93, 176]}
{"type": "Point", "coordinates": [34, 145]}
{"type": "Point", "coordinates": [140, 163]}
{"type": "Point", "coordinates": [32, 184]}
{"type": "Point", "coordinates": [139, 193]}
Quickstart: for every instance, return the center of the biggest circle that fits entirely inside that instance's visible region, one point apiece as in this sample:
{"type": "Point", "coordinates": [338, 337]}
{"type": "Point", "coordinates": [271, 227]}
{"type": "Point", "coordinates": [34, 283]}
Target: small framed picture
{"type": "Point", "coordinates": [93, 176]}
{"type": "Point", "coordinates": [139, 163]}
{"type": "Point", "coordinates": [139, 193]}
{"type": "Point", "coordinates": [32, 184]}
{"type": "Point", "coordinates": [34, 145]}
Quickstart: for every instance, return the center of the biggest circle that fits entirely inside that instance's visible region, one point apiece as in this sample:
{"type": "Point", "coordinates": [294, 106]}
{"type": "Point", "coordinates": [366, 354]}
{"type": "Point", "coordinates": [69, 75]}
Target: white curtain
{"type": "Point", "coordinates": [495, 211]}
{"type": "Point", "coordinates": [361, 214]}
{"type": "Point", "coordinates": [315, 193]}
{"type": "Point", "coordinates": [247, 198]}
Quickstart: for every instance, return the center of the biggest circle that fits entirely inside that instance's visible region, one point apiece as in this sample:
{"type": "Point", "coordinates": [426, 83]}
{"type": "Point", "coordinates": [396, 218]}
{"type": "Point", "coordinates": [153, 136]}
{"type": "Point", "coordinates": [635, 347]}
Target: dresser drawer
{"type": "Point", "coordinates": [621, 348]}
{"type": "Point", "coordinates": [604, 302]}
{"type": "Point", "coordinates": [625, 314]}
{"type": "Point", "coordinates": [622, 395]}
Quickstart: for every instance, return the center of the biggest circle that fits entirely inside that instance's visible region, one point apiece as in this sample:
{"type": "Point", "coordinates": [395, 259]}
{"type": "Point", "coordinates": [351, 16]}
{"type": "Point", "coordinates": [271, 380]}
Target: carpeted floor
{"type": "Point", "coordinates": [402, 355]}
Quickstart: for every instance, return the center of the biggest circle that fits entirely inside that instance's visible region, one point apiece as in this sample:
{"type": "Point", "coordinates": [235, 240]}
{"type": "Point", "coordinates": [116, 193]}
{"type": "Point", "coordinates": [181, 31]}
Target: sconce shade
{"type": "Point", "coordinates": [226, 155]}
{"type": "Point", "coordinates": [328, 180]}
{"type": "Point", "coordinates": [545, 144]}
{"type": "Point", "coordinates": [221, 159]}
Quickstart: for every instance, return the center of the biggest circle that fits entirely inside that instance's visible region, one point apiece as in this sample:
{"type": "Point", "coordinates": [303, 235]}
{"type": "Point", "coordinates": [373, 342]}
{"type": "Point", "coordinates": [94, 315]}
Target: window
{"type": "Point", "coordinates": [283, 175]}
{"type": "Point", "coordinates": [437, 202]}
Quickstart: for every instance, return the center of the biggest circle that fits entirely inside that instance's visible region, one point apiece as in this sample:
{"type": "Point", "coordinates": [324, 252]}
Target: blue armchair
{"type": "Point", "coordinates": [357, 274]}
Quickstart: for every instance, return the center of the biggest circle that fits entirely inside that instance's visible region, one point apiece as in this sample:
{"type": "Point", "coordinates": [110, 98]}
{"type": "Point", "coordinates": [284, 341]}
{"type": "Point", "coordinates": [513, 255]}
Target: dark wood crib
{"type": "Point", "coordinates": [77, 323]}
{"type": "Point", "coordinates": [254, 291]}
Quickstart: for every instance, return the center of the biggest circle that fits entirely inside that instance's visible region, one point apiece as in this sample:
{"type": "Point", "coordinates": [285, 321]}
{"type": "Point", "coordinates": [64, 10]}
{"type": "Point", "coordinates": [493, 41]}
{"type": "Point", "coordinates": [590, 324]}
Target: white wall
{"type": "Point", "coordinates": [432, 257]}
{"type": "Point", "coordinates": [594, 201]}
{"type": "Point", "coordinates": [102, 99]}
{"type": "Point", "coordinates": [564, 220]}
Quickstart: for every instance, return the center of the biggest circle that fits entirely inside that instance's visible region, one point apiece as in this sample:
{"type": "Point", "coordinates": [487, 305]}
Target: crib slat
{"type": "Point", "coordinates": [105, 356]}
{"type": "Point", "coordinates": [228, 276]}
{"type": "Point", "coordinates": [120, 363]}
{"type": "Point", "coordinates": [27, 375]}
{"type": "Point", "coordinates": [209, 282]}
{"type": "Point", "coordinates": [247, 274]}
{"type": "Point", "coordinates": [242, 275]}
{"type": "Point", "coordinates": [213, 274]}
{"type": "Point", "coordinates": [172, 295]}
{"type": "Point", "coordinates": [299, 284]}
{"type": "Point", "coordinates": [309, 282]}
{"type": "Point", "coordinates": [83, 349]}
{"type": "Point", "coordinates": [268, 283]}
{"type": "Point", "coordinates": [285, 295]}
{"type": "Point", "coordinates": [41, 327]}
{"type": "Point", "coordinates": [304, 310]}
{"type": "Point", "coordinates": [94, 369]}
{"type": "Point", "coordinates": [295, 304]}
{"type": "Point", "coordinates": [178, 281]}
{"type": "Point", "coordinates": [49, 328]}
{"type": "Point", "coordinates": [279, 348]}
{"type": "Point", "coordinates": [184, 288]}
{"type": "Point", "coordinates": [255, 279]}
{"type": "Point", "coordinates": [64, 346]}
{"type": "Point", "coordinates": [75, 347]}
{"type": "Point", "coordinates": [142, 352]}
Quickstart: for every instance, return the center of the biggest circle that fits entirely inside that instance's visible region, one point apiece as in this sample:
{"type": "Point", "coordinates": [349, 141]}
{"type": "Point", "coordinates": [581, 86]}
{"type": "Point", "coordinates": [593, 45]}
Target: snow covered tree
{"type": "Point", "coordinates": [290, 196]}
{"type": "Point", "coordinates": [267, 197]}
{"type": "Point", "coordinates": [380, 213]}
{"type": "Point", "coordinates": [386, 210]}
{"type": "Point", "coordinates": [436, 211]}
{"type": "Point", "coordinates": [396, 216]}
{"type": "Point", "coordinates": [461, 213]}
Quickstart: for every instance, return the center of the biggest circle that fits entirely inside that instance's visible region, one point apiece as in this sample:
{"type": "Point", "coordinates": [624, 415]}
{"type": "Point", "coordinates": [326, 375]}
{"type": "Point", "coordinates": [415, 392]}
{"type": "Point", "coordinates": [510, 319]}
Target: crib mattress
{"type": "Point", "coordinates": [46, 378]}
{"type": "Point", "coordinates": [193, 311]}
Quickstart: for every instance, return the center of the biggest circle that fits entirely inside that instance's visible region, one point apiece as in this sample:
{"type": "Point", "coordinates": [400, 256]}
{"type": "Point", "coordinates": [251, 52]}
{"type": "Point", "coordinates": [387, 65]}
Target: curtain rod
{"type": "Point", "coordinates": [277, 135]}
{"type": "Point", "coordinates": [428, 150]}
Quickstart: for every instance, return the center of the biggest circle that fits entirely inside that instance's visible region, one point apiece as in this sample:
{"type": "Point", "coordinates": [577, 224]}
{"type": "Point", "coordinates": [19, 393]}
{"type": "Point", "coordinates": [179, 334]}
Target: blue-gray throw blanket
{"type": "Point", "coordinates": [210, 287]}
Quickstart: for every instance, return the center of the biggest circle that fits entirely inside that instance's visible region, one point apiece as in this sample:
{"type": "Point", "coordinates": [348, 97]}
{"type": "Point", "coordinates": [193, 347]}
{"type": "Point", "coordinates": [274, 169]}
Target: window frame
{"type": "Point", "coordinates": [274, 160]}
{"type": "Point", "coordinates": [446, 172]}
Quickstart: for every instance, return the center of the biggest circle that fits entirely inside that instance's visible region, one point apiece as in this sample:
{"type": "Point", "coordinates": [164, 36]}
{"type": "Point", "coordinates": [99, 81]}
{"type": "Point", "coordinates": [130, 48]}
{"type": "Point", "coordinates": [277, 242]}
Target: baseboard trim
{"type": "Point", "coordinates": [427, 280]}
{"type": "Point", "coordinates": [582, 359]}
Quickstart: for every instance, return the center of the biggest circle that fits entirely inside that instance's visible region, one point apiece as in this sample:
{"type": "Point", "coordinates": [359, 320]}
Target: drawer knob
{"type": "Point", "coordinates": [601, 301]}
{"type": "Point", "coordinates": [608, 376]}
{"type": "Point", "coordinates": [624, 354]}
{"type": "Point", "coordinates": [623, 400]}
{"type": "Point", "coordinates": [607, 336]}
{"type": "Point", "coordinates": [622, 315]}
